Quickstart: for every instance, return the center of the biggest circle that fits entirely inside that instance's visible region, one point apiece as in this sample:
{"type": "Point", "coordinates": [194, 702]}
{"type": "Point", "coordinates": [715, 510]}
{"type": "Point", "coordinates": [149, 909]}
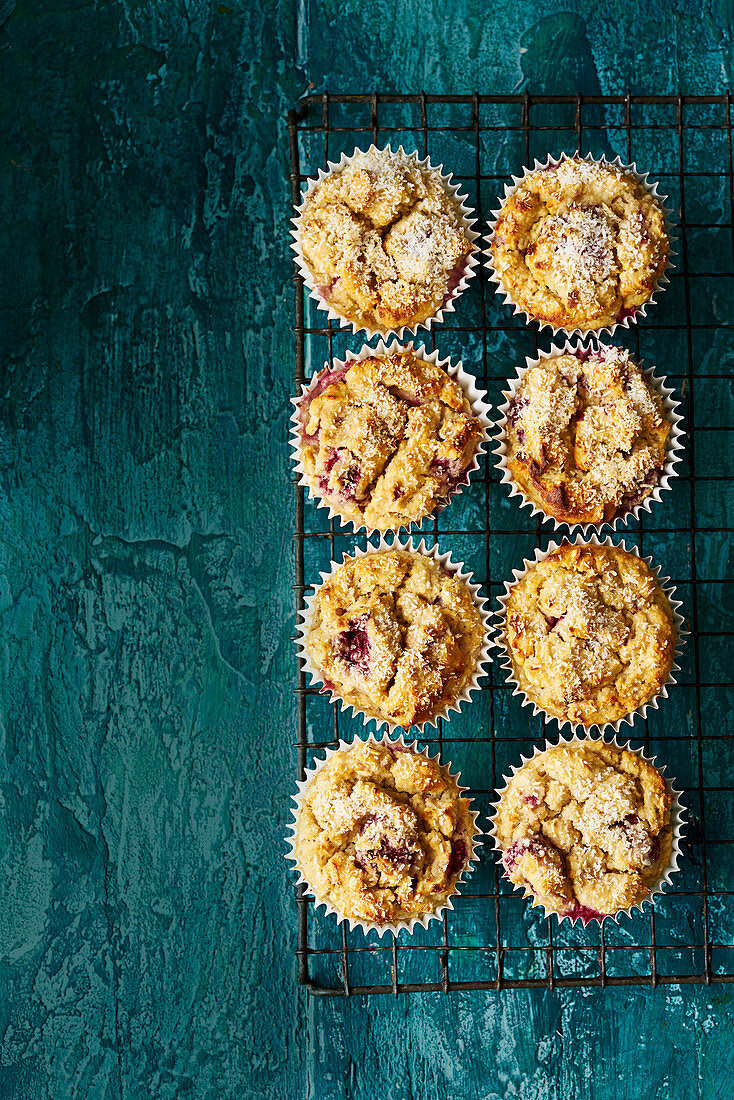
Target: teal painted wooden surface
{"type": "Point", "coordinates": [147, 926]}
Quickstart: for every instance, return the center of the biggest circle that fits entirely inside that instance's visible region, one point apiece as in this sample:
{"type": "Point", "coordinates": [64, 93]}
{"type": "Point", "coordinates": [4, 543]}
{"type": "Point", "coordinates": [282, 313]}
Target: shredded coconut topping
{"type": "Point", "coordinates": [587, 435]}
{"type": "Point", "coordinates": [585, 828]}
{"type": "Point", "coordinates": [584, 249]}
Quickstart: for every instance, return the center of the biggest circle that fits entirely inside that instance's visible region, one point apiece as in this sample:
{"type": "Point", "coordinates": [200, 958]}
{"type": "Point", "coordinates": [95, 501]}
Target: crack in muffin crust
{"type": "Point", "coordinates": [384, 240]}
{"type": "Point", "coordinates": [396, 635]}
{"type": "Point", "coordinates": [387, 439]}
{"type": "Point", "coordinates": [586, 829]}
{"type": "Point", "coordinates": [590, 634]}
{"type": "Point", "coordinates": [383, 833]}
{"type": "Point", "coordinates": [580, 244]}
{"type": "Point", "coordinates": [587, 435]}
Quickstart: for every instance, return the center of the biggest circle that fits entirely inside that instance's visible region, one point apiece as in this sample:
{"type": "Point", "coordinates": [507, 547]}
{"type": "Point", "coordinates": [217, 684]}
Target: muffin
{"type": "Point", "coordinates": [585, 828]}
{"type": "Point", "coordinates": [590, 634]}
{"type": "Point", "coordinates": [382, 833]}
{"type": "Point", "coordinates": [580, 244]}
{"type": "Point", "coordinates": [587, 435]}
{"type": "Point", "coordinates": [384, 239]}
{"type": "Point", "coordinates": [396, 635]}
{"type": "Point", "coordinates": [386, 439]}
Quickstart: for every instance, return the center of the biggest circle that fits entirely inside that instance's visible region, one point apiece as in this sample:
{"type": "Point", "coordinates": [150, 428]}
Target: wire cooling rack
{"type": "Point", "coordinates": [493, 939]}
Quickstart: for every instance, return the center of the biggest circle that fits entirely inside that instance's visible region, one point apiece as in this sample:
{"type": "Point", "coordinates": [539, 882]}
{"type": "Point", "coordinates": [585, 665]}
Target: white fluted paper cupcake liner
{"type": "Point", "coordinates": [457, 570]}
{"type": "Point", "coordinates": [660, 283]}
{"type": "Point", "coordinates": [469, 267]}
{"type": "Point", "coordinates": [500, 637]}
{"type": "Point", "coordinates": [474, 395]}
{"type": "Point", "coordinates": [673, 453]}
{"type": "Point", "coordinates": [369, 926]}
{"type": "Point", "coordinates": [677, 822]}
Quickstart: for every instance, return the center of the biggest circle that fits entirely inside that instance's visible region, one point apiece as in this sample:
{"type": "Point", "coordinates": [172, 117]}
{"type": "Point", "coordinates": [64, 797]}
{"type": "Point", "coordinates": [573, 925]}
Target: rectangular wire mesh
{"type": "Point", "coordinates": [494, 939]}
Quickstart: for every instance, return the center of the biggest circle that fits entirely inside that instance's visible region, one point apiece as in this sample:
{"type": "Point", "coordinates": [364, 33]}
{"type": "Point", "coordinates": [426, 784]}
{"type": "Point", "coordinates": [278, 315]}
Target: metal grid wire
{"type": "Point", "coordinates": [493, 939]}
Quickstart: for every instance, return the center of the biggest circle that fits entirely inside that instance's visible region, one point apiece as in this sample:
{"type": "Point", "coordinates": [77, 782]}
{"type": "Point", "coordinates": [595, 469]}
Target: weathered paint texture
{"type": "Point", "coordinates": [147, 926]}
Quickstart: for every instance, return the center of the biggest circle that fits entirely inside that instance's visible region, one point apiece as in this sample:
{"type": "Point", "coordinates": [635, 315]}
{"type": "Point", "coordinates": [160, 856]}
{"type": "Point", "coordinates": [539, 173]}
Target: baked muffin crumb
{"type": "Point", "coordinates": [587, 435]}
{"type": "Point", "coordinates": [383, 833]}
{"type": "Point", "coordinates": [387, 439]}
{"type": "Point", "coordinates": [384, 240]}
{"type": "Point", "coordinates": [395, 635]}
{"type": "Point", "coordinates": [580, 244]}
{"type": "Point", "coordinates": [585, 827]}
{"type": "Point", "coordinates": [590, 633]}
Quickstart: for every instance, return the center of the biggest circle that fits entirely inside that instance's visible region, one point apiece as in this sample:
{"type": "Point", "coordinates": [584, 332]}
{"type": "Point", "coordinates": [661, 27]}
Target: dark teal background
{"type": "Point", "coordinates": [147, 926]}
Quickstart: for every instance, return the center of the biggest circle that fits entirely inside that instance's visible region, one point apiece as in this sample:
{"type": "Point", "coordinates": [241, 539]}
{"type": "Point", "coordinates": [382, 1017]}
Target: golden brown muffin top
{"type": "Point", "coordinates": [587, 435]}
{"type": "Point", "coordinates": [395, 635]}
{"type": "Point", "coordinates": [386, 439]}
{"type": "Point", "coordinates": [580, 244]}
{"type": "Point", "coordinates": [590, 633]}
{"type": "Point", "coordinates": [585, 828]}
{"type": "Point", "coordinates": [384, 240]}
{"type": "Point", "coordinates": [383, 833]}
